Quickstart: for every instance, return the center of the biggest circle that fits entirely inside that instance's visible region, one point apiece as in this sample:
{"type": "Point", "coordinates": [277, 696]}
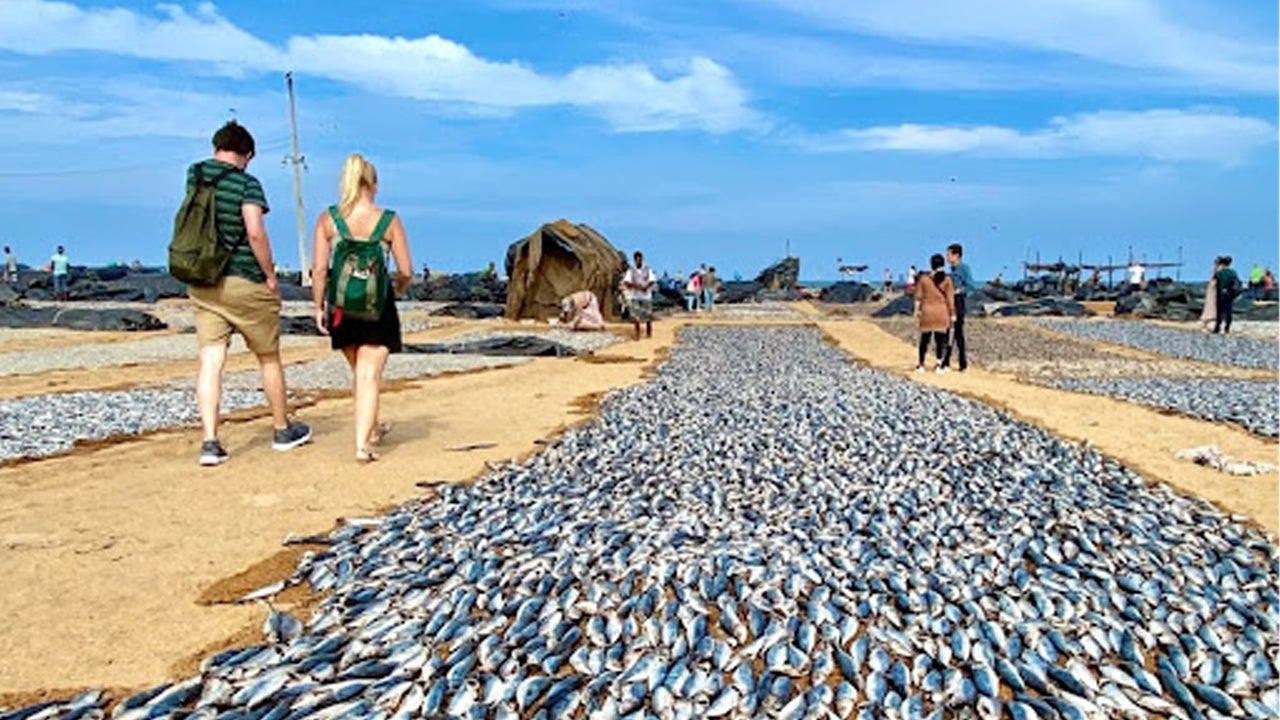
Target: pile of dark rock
{"type": "Point", "coordinates": [72, 318]}
{"type": "Point", "coordinates": [105, 284]}
{"type": "Point", "coordinates": [1169, 300]}
{"type": "Point", "coordinates": [473, 287]}
{"type": "Point", "coordinates": [782, 275]}
{"type": "Point", "coordinates": [849, 292]}
{"type": "Point", "coordinates": [776, 283]}
{"type": "Point", "coordinates": [996, 301]}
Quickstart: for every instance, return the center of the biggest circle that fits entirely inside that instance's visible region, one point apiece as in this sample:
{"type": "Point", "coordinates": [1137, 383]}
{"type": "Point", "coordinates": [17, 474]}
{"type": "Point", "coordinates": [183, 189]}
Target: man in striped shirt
{"type": "Point", "coordinates": [246, 300]}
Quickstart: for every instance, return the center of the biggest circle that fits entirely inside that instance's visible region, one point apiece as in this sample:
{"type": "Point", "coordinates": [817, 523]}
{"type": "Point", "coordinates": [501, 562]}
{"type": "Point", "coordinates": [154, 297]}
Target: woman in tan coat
{"type": "Point", "coordinates": [935, 310]}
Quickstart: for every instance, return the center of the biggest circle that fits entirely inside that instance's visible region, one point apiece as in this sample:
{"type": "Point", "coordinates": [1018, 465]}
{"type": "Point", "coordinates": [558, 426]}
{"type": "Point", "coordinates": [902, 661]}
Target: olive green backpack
{"type": "Point", "coordinates": [359, 283]}
{"type": "Point", "coordinates": [195, 255]}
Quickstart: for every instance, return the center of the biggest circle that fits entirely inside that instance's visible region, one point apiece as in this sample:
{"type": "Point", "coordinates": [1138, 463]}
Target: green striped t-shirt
{"type": "Point", "coordinates": [234, 190]}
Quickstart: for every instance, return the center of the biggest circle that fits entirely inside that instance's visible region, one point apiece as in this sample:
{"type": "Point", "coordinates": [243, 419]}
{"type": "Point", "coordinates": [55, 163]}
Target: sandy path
{"type": "Point", "coordinates": [1140, 437]}
{"type": "Point", "coordinates": [106, 553]}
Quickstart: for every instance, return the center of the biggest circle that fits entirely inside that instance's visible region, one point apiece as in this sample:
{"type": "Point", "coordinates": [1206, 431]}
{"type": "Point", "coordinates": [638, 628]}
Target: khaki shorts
{"type": "Point", "coordinates": [237, 305]}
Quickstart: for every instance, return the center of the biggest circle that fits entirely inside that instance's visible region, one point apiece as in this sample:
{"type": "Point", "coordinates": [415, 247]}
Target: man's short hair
{"type": "Point", "coordinates": [637, 254]}
{"type": "Point", "coordinates": [956, 248]}
{"type": "Point", "coordinates": [233, 137]}
{"type": "Point", "coordinates": [61, 249]}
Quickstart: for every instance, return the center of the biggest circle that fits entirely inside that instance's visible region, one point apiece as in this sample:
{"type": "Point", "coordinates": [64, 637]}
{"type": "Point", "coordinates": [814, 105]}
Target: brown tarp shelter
{"type": "Point", "coordinates": [558, 259]}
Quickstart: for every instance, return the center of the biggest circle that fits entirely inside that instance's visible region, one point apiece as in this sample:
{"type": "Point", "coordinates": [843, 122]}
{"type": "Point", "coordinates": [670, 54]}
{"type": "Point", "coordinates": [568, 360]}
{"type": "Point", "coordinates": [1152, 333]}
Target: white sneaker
{"type": "Point", "coordinates": [941, 370]}
{"type": "Point", "coordinates": [919, 368]}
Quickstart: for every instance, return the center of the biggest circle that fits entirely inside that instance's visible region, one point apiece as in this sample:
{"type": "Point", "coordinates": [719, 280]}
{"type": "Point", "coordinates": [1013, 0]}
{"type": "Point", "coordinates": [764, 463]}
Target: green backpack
{"type": "Point", "coordinates": [195, 255]}
{"type": "Point", "coordinates": [358, 279]}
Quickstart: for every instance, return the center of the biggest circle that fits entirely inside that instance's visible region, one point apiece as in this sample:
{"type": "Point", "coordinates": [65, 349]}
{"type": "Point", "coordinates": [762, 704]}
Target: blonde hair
{"type": "Point", "coordinates": [357, 174]}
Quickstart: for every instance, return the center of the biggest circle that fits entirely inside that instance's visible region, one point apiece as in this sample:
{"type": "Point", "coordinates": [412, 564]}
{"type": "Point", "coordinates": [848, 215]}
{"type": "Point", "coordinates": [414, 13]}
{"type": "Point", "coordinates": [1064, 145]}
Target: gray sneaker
{"type": "Point", "coordinates": [211, 453]}
{"type": "Point", "coordinates": [291, 437]}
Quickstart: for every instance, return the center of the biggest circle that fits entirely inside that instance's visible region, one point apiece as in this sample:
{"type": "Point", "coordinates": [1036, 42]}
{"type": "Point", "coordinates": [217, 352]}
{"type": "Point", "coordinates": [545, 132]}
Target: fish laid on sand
{"type": "Point", "coordinates": [1186, 344]}
{"type": "Point", "coordinates": [766, 530]}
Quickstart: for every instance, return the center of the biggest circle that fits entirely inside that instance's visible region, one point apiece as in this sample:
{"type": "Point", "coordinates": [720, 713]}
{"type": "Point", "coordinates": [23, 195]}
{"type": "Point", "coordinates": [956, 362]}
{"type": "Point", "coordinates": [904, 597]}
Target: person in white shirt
{"type": "Point", "coordinates": [60, 268]}
{"type": "Point", "coordinates": [10, 266]}
{"type": "Point", "coordinates": [1137, 275]}
{"type": "Point", "coordinates": [637, 288]}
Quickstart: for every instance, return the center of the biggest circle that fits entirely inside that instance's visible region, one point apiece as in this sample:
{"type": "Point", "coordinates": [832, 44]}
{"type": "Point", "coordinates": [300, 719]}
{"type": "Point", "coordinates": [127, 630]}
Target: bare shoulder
{"type": "Point", "coordinates": [397, 225]}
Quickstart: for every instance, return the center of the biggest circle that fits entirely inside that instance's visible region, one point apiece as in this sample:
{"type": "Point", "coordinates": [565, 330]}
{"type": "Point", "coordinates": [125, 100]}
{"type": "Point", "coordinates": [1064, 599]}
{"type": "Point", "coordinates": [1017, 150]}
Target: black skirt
{"type": "Point", "coordinates": [384, 331]}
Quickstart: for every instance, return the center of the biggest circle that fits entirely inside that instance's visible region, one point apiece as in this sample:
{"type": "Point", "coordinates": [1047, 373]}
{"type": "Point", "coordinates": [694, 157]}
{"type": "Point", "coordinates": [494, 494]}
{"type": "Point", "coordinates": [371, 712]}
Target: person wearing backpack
{"type": "Point", "coordinates": [221, 250]}
{"type": "Point", "coordinates": [354, 293]}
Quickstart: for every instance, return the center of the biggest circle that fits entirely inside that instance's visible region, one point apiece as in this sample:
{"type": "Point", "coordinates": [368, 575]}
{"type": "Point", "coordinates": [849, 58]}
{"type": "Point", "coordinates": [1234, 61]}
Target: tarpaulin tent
{"type": "Point", "coordinates": [556, 260]}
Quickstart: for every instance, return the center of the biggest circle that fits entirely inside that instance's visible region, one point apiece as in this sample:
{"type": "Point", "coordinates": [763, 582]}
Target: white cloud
{"type": "Point", "coordinates": [703, 95]}
{"type": "Point", "coordinates": [131, 109]}
{"type": "Point", "coordinates": [1167, 135]}
{"type": "Point", "coordinates": [1137, 34]}
{"type": "Point", "coordinates": [41, 27]}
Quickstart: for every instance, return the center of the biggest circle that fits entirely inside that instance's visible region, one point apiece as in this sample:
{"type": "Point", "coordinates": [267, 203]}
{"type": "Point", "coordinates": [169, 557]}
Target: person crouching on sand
{"type": "Point", "coordinates": [581, 311]}
{"type": "Point", "coordinates": [355, 297]}
{"type": "Point", "coordinates": [935, 311]}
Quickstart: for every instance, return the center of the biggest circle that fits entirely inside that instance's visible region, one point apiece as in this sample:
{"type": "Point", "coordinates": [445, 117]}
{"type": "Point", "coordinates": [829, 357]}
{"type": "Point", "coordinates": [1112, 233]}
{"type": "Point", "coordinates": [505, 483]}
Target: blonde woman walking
{"type": "Point", "coordinates": [354, 292]}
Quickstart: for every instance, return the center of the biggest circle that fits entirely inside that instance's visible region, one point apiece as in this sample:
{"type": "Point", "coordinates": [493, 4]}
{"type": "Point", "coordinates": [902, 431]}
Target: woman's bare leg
{"type": "Point", "coordinates": [369, 364]}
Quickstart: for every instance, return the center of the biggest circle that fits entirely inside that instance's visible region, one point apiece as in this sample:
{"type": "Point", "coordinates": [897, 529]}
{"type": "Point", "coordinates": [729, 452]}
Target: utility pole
{"type": "Point", "coordinates": [298, 163]}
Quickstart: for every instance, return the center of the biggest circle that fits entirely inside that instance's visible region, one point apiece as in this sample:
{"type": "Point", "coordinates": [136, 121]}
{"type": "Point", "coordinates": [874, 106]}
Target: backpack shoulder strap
{"type": "Point", "coordinates": [383, 223]}
{"type": "Point", "coordinates": [343, 231]}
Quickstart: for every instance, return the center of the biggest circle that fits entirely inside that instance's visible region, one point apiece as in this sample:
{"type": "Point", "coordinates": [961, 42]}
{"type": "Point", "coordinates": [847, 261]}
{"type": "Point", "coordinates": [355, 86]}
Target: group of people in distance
{"type": "Point", "coordinates": [940, 308]}
{"type": "Point", "coordinates": [59, 268]}
{"type": "Point", "coordinates": [581, 310]}
{"type": "Point", "coordinates": [246, 298]}
{"type": "Point", "coordinates": [701, 288]}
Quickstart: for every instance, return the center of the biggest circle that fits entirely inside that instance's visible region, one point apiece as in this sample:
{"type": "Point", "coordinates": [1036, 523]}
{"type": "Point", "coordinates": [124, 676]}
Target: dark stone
{"type": "Point", "coordinates": [108, 274]}
{"type": "Point", "coordinates": [113, 320]}
{"type": "Point", "coordinates": [767, 295]}
{"type": "Point", "coordinates": [161, 286]}
{"type": "Point", "coordinates": [104, 292]}
{"type": "Point", "coordinates": [1043, 307]}
{"type": "Point", "coordinates": [294, 293]}
{"type": "Point", "coordinates": [737, 291]}
{"type": "Point", "coordinates": [903, 305]}
{"type": "Point", "coordinates": [667, 297]}
{"type": "Point", "coordinates": [510, 346]}
{"type": "Point", "coordinates": [20, 316]}
{"type": "Point", "coordinates": [8, 294]}
{"type": "Point", "coordinates": [976, 303]}
{"type": "Point", "coordinates": [1269, 312]}
{"type": "Point", "coordinates": [1001, 293]}
{"type": "Point", "coordinates": [298, 325]}
{"type": "Point", "coordinates": [848, 292]}
{"type": "Point", "coordinates": [464, 287]}
{"type": "Point", "coordinates": [474, 311]}
{"type": "Point", "coordinates": [782, 275]}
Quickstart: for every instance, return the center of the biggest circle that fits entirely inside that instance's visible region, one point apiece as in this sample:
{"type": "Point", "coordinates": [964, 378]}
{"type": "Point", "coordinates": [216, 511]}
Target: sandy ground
{"type": "Point", "coordinates": [107, 554]}
{"type": "Point", "coordinates": [1145, 439]}
{"type": "Point", "coordinates": [119, 561]}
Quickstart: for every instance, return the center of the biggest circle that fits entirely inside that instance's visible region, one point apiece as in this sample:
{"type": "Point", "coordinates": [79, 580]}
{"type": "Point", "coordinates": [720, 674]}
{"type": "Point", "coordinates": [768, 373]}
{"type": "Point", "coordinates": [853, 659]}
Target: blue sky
{"type": "Point", "coordinates": [873, 131]}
